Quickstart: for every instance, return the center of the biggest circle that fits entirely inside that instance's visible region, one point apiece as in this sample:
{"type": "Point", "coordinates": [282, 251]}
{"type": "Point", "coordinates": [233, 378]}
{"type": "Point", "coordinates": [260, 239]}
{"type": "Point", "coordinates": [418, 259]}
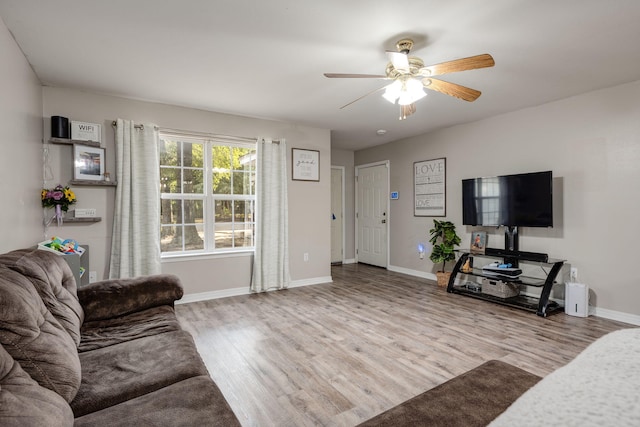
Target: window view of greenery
{"type": "Point", "coordinates": [207, 200]}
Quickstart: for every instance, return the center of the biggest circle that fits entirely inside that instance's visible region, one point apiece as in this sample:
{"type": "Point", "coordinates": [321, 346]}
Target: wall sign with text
{"type": "Point", "coordinates": [305, 165]}
{"type": "Point", "coordinates": [429, 184]}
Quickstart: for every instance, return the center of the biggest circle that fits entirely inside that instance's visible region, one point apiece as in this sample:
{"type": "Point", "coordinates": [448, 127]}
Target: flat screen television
{"type": "Point", "coordinates": [522, 200]}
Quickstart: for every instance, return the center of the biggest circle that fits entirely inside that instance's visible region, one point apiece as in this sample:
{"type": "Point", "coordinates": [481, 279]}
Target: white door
{"type": "Point", "coordinates": [337, 177]}
{"type": "Point", "coordinates": [372, 214]}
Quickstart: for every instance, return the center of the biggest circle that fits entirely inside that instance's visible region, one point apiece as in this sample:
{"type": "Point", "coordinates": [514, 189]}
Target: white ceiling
{"type": "Point", "coordinates": [267, 58]}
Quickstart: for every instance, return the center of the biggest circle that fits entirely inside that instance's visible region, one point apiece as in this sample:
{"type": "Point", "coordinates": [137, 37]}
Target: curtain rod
{"type": "Point", "coordinates": [200, 134]}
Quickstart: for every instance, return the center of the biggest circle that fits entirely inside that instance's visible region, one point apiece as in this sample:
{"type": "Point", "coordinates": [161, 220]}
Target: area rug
{"type": "Point", "coordinates": [474, 398]}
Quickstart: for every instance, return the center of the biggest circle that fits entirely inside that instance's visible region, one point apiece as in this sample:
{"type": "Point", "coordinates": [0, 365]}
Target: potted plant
{"type": "Point", "coordinates": [443, 239]}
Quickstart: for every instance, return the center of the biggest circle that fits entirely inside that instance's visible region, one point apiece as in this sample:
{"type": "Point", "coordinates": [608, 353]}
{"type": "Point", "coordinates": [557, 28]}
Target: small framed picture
{"type": "Point", "coordinates": [88, 162]}
{"type": "Point", "coordinates": [83, 131]}
{"type": "Point", "coordinates": [305, 165]}
{"type": "Point", "coordinates": [478, 242]}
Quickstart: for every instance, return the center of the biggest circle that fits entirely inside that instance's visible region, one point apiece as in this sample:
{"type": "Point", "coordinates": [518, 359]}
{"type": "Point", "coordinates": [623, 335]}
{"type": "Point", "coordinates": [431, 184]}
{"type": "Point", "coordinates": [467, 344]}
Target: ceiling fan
{"type": "Point", "coordinates": [410, 78]}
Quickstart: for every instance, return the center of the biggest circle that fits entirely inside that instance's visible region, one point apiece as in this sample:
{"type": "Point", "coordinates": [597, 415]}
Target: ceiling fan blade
{"type": "Point", "coordinates": [363, 96]}
{"type": "Point", "coordinates": [354, 76]}
{"type": "Point", "coordinates": [471, 63]}
{"type": "Point", "coordinates": [399, 60]}
{"type": "Point", "coordinates": [451, 89]}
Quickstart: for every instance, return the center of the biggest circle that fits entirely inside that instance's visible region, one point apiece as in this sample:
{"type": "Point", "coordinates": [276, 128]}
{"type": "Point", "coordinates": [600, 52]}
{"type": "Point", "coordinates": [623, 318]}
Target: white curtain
{"type": "Point", "coordinates": [271, 260]}
{"type": "Point", "coordinates": [135, 246]}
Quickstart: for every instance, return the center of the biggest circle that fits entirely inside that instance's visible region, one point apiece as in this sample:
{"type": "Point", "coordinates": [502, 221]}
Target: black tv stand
{"type": "Point", "coordinates": [541, 305]}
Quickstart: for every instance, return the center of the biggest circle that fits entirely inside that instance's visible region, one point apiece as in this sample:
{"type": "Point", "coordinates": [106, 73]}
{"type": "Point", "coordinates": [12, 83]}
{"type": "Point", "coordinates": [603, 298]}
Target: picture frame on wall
{"type": "Point", "coordinates": [88, 162]}
{"type": "Point", "coordinates": [429, 186]}
{"type": "Point", "coordinates": [305, 165]}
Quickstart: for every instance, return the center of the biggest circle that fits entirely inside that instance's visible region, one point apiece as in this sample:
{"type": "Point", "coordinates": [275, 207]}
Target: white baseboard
{"type": "Point", "coordinates": [349, 261]}
{"type": "Point", "coordinates": [619, 316]}
{"type": "Point", "coordinates": [234, 292]}
{"type": "Point", "coordinates": [204, 296]}
{"type": "Point", "coordinates": [410, 272]}
{"type": "Point", "coordinates": [312, 281]}
{"type": "Point", "coordinates": [632, 319]}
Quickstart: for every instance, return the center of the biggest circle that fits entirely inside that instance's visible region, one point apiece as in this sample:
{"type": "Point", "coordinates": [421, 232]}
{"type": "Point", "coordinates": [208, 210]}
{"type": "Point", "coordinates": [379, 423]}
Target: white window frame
{"type": "Point", "coordinates": [207, 197]}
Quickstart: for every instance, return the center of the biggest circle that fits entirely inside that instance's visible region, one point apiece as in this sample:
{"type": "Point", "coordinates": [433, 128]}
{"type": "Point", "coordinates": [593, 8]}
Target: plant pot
{"type": "Point", "coordinates": [443, 278]}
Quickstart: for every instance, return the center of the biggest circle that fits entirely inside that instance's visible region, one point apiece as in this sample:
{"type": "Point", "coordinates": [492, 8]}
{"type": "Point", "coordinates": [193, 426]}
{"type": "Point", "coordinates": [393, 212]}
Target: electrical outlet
{"type": "Point", "coordinates": [93, 276]}
{"type": "Point", "coordinates": [85, 213]}
{"type": "Point", "coordinates": [573, 275]}
{"type": "Point", "coordinates": [306, 256]}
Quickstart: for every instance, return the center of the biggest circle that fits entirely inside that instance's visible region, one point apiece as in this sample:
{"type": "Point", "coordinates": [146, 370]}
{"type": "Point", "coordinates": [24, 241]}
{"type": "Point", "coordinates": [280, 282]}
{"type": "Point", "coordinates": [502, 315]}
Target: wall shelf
{"type": "Point", "coordinates": [89, 183]}
{"type": "Point", "coordinates": [73, 220]}
{"type": "Point", "coordinates": [66, 141]}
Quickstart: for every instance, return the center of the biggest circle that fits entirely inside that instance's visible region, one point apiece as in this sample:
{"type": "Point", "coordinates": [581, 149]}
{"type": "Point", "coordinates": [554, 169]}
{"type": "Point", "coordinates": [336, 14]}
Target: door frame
{"type": "Point", "coordinates": [342, 212]}
{"type": "Point", "coordinates": [388, 205]}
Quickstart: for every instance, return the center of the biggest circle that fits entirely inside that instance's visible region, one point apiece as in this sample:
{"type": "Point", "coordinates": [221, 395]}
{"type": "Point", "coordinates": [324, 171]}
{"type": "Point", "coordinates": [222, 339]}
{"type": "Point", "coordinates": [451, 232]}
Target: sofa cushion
{"type": "Point", "coordinates": [34, 338]}
{"type": "Point", "coordinates": [103, 333]}
{"type": "Point", "coordinates": [117, 373]}
{"type": "Point", "coordinates": [118, 297]}
{"type": "Point", "coordinates": [23, 402]}
{"type": "Point", "coordinates": [195, 401]}
{"type": "Point", "coordinates": [53, 279]}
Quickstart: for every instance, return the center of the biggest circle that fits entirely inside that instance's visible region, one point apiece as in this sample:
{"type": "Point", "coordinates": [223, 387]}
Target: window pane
{"type": "Point", "coordinates": [168, 151]}
{"type": "Point", "coordinates": [223, 235]}
{"type": "Point", "coordinates": [221, 157]}
{"type": "Point", "coordinates": [222, 183]}
{"type": "Point", "coordinates": [192, 155]}
{"type": "Point", "coordinates": [170, 181]}
{"type": "Point", "coordinates": [193, 182]}
{"type": "Point", "coordinates": [171, 239]}
{"type": "Point", "coordinates": [246, 159]}
{"type": "Point", "coordinates": [223, 211]}
{"type": "Point", "coordinates": [193, 212]}
{"type": "Point", "coordinates": [193, 239]}
{"type": "Point", "coordinates": [243, 211]}
{"type": "Point", "coordinates": [170, 212]}
{"type": "Point", "coordinates": [243, 235]}
{"type": "Point", "coordinates": [242, 183]}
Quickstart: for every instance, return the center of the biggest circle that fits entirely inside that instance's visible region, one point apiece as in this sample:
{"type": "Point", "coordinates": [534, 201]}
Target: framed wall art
{"type": "Point", "coordinates": [305, 165]}
{"type": "Point", "coordinates": [429, 185]}
{"type": "Point", "coordinates": [88, 163]}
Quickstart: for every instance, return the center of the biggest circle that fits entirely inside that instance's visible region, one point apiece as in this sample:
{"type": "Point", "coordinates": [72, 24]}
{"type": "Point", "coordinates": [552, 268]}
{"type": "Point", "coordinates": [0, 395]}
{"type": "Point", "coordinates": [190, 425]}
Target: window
{"type": "Point", "coordinates": [207, 192]}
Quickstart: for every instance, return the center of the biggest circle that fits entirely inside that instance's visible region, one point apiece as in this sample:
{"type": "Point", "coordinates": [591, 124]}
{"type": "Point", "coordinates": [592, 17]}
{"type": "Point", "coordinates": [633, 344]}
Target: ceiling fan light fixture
{"type": "Point", "coordinates": [412, 91]}
{"type": "Point", "coordinates": [393, 91]}
{"type": "Point", "coordinates": [404, 91]}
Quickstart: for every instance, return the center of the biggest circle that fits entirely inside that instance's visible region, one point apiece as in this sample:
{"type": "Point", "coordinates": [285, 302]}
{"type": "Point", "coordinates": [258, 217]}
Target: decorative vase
{"type": "Point", "coordinates": [59, 215]}
{"type": "Point", "coordinates": [443, 278]}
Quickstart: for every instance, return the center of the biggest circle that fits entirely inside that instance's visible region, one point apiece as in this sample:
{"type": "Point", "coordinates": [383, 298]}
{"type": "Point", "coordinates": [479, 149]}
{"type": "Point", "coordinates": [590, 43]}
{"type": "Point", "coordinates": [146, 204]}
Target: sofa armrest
{"type": "Point", "coordinates": [118, 297]}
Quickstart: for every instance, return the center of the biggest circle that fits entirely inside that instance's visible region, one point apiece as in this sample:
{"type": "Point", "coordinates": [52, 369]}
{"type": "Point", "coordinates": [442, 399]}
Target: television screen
{"type": "Point", "coordinates": [523, 200]}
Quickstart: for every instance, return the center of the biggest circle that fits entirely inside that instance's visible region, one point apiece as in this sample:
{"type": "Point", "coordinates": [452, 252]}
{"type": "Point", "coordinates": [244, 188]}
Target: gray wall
{"type": "Point", "coordinates": [309, 202]}
{"type": "Point", "coordinates": [21, 142]}
{"type": "Point", "coordinates": [591, 143]}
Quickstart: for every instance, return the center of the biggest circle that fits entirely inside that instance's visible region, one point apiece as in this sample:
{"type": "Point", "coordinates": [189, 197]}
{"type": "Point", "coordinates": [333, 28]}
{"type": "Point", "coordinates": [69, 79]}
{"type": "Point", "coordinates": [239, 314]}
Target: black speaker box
{"type": "Point", "coordinates": [59, 127]}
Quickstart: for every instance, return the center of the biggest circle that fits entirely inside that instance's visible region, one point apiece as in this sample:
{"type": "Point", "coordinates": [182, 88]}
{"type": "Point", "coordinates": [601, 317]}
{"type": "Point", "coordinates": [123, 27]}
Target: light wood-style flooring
{"type": "Point", "coordinates": [337, 354]}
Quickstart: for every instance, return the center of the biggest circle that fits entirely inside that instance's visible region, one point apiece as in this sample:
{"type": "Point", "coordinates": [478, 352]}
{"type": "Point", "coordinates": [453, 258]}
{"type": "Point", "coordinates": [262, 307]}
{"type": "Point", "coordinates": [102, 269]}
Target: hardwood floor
{"type": "Point", "coordinates": [338, 354]}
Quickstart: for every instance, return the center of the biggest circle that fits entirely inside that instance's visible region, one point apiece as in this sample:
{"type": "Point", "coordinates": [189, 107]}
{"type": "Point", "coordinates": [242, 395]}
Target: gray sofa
{"type": "Point", "coordinates": [108, 354]}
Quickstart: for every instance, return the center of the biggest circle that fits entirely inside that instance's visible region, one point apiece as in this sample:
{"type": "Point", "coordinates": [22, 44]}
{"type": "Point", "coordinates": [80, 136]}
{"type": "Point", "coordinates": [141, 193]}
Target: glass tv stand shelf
{"type": "Point", "coordinates": [541, 305]}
